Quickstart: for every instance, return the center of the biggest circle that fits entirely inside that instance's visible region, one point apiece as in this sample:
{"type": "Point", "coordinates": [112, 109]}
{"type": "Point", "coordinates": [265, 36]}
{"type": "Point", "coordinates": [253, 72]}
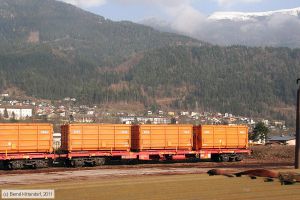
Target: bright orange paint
{"type": "Point", "coordinates": [220, 136]}
{"type": "Point", "coordinates": [83, 137]}
{"type": "Point", "coordinates": [25, 137]}
{"type": "Point", "coordinates": [146, 137]}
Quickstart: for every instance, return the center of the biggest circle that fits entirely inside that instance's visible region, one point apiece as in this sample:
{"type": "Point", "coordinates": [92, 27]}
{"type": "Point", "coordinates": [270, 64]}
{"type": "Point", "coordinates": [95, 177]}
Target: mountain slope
{"type": "Point", "coordinates": [234, 79]}
{"type": "Point", "coordinates": [69, 52]}
{"type": "Point", "coordinates": [75, 32]}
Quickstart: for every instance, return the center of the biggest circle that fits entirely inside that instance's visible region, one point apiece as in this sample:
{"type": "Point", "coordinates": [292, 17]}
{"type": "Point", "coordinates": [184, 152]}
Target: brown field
{"type": "Point", "coordinates": [273, 153]}
{"type": "Point", "coordinates": [187, 187]}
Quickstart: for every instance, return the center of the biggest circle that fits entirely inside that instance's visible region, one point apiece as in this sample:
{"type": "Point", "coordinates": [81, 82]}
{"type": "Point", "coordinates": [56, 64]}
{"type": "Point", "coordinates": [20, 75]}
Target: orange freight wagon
{"type": "Point", "coordinates": [151, 137]}
{"type": "Point", "coordinates": [220, 136]}
{"type": "Point", "coordinates": [25, 138]}
{"type": "Point", "coordinates": [95, 137]}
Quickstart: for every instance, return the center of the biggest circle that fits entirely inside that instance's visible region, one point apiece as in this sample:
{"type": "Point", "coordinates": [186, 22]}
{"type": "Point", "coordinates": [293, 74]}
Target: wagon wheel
{"type": "Point", "coordinates": [238, 158]}
{"type": "Point", "coordinates": [41, 163]}
{"type": "Point", "coordinates": [77, 163]}
{"type": "Point", "coordinates": [224, 158]}
{"type": "Point", "coordinates": [16, 164]}
{"type": "Point", "coordinates": [100, 161]}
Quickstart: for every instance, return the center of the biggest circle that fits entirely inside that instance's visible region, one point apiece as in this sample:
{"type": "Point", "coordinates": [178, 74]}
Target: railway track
{"type": "Point", "coordinates": [246, 164]}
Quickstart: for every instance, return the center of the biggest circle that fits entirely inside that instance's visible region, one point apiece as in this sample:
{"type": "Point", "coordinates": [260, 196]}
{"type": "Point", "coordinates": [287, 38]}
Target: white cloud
{"type": "Point", "coordinates": [167, 3]}
{"type": "Point", "coordinates": [163, 4]}
{"type": "Point", "coordinates": [233, 2]}
{"type": "Point", "coordinates": [181, 15]}
{"type": "Point", "coordinates": [85, 3]}
{"type": "Point", "coordinates": [186, 19]}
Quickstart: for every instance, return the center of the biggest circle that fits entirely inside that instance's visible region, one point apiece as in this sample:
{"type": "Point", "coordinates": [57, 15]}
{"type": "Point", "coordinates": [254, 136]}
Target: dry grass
{"type": "Point", "coordinates": [187, 187]}
{"type": "Point", "coordinates": [125, 66]}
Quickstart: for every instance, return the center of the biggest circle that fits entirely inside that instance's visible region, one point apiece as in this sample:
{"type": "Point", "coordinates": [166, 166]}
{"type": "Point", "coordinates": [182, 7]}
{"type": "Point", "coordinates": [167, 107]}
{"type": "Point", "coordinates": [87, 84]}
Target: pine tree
{"type": "Point", "coordinates": [13, 115]}
{"type": "Point", "coordinates": [260, 132]}
{"type": "Point", "coordinates": [5, 114]}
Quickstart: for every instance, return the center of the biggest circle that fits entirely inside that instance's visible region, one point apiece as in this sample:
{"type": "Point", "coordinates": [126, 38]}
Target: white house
{"type": "Point", "coordinates": [4, 95]}
{"type": "Point", "coordinates": [184, 113]}
{"type": "Point", "coordinates": [90, 112]}
{"type": "Point", "coordinates": [18, 112]}
{"type": "Point", "coordinates": [56, 140]}
{"type": "Point", "coordinates": [171, 113]}
{"type": "Point", "coordinates": [265, 121]}
{"type": "Point", "coordinates": [144, 120]}
{"type": "Point", "coordinates": [195, 114]}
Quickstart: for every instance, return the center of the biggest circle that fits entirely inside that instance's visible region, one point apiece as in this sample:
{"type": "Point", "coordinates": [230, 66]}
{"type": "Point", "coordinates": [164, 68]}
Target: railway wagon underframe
{"type": "Point", "coordinates": [96, 158]}
{"type": "Point", "coordinates": [218, 155]}
{"type": "Point", "coordinates": [26, 160]}
{"type": "Point", "coordinates": [225, 155]}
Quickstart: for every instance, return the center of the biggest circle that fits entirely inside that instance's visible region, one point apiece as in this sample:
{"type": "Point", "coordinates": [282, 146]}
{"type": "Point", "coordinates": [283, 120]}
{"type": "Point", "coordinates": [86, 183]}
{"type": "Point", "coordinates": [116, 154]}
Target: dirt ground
{"type": "Point", "coordinates": [91, 174]}
{"type": "Point", "coordinates": [157, 187]}
{"type": "Point", "coordinates": [275, 152]}
{"type": "Point", "coordinates": [52, 175]}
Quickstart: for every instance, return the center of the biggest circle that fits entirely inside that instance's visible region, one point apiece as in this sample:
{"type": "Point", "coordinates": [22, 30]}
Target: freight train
{"type": "Point", "coordinates": [30, 145]}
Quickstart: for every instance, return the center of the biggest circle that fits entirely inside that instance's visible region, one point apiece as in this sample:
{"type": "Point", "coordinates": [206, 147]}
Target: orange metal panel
{"type": "Point", "coordinates": [26, 137]}
{"type": "Point", "coordinates": [147, 137]}
{"type": "Point", "coordinates": [220, 136]}
{"type": "Point", "coordinates": [83, 137]}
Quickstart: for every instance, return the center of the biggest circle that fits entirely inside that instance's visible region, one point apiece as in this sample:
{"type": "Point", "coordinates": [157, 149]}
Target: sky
{"type": "Point", "coordinates": [138, 10]}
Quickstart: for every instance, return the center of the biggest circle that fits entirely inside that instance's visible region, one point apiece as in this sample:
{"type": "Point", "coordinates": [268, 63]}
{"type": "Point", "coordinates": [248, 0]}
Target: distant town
{"type": "Point", "coordinates": [67, 110]}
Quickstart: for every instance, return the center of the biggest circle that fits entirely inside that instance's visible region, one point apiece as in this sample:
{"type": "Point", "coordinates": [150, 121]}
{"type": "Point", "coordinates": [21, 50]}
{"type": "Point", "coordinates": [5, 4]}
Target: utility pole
{"type": "Point", "coordinates": [297, 150]}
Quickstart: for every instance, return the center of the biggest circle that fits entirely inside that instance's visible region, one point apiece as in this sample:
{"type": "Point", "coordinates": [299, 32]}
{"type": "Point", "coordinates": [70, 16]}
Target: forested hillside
{"type": "Point", "coordinates": [73, 32]}
{"type": "Point", "coordinates": [233, 79]}
{"type": "Point", "coordinates": [60, 51]}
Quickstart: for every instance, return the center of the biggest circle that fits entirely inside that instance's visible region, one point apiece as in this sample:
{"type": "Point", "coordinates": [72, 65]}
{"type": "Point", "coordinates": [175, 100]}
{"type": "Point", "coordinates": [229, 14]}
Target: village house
{"type": "Point", "coordinates": [184, 113]}
{"type": "Point", "coordinates": [144, 120]}
{"type": "Point", "coordinates": [82, 118]}
{"type": "Point", "coordinates": [4, 95]}
{"type": "Point", "coordinates": [56, 140]}
{"type": "Point", "coordinates": [17, 112]}
{"type": "Point", "coordinates": [171, 113]}
{"type": "Point", "coordinates": [283, 139]}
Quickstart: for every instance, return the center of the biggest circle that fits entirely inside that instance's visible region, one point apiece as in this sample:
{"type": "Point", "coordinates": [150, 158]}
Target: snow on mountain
{"type": "Point", "coordinates": [243, 16]}
{"type": "Point", "coordinates": [280, 28]}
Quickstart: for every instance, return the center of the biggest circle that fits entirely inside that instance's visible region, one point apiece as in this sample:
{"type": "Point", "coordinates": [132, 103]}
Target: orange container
{"type": "Point", "coordinates": [26, 138]}
{"type": "Point", "coordinates": [82, 137]}
{"type": "Point", "coordinates": [220, 136]}
{"type": "Point", "coordinates": [147, 137]}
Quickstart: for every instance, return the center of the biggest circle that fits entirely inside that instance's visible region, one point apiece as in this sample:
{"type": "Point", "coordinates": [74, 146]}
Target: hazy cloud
{"type": "Point", "coordinates": [167, 3]}
{"type": "Point", "coordinates": [186, 19]}
{"type": "Point", "coordinates": [183, 16]}
{"type": "Point", "coordinates": [85, 3]}
{"type": "Point", "coordinates": [274, 30]}
{"type": "Point", "coordinates": [233, 2]}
